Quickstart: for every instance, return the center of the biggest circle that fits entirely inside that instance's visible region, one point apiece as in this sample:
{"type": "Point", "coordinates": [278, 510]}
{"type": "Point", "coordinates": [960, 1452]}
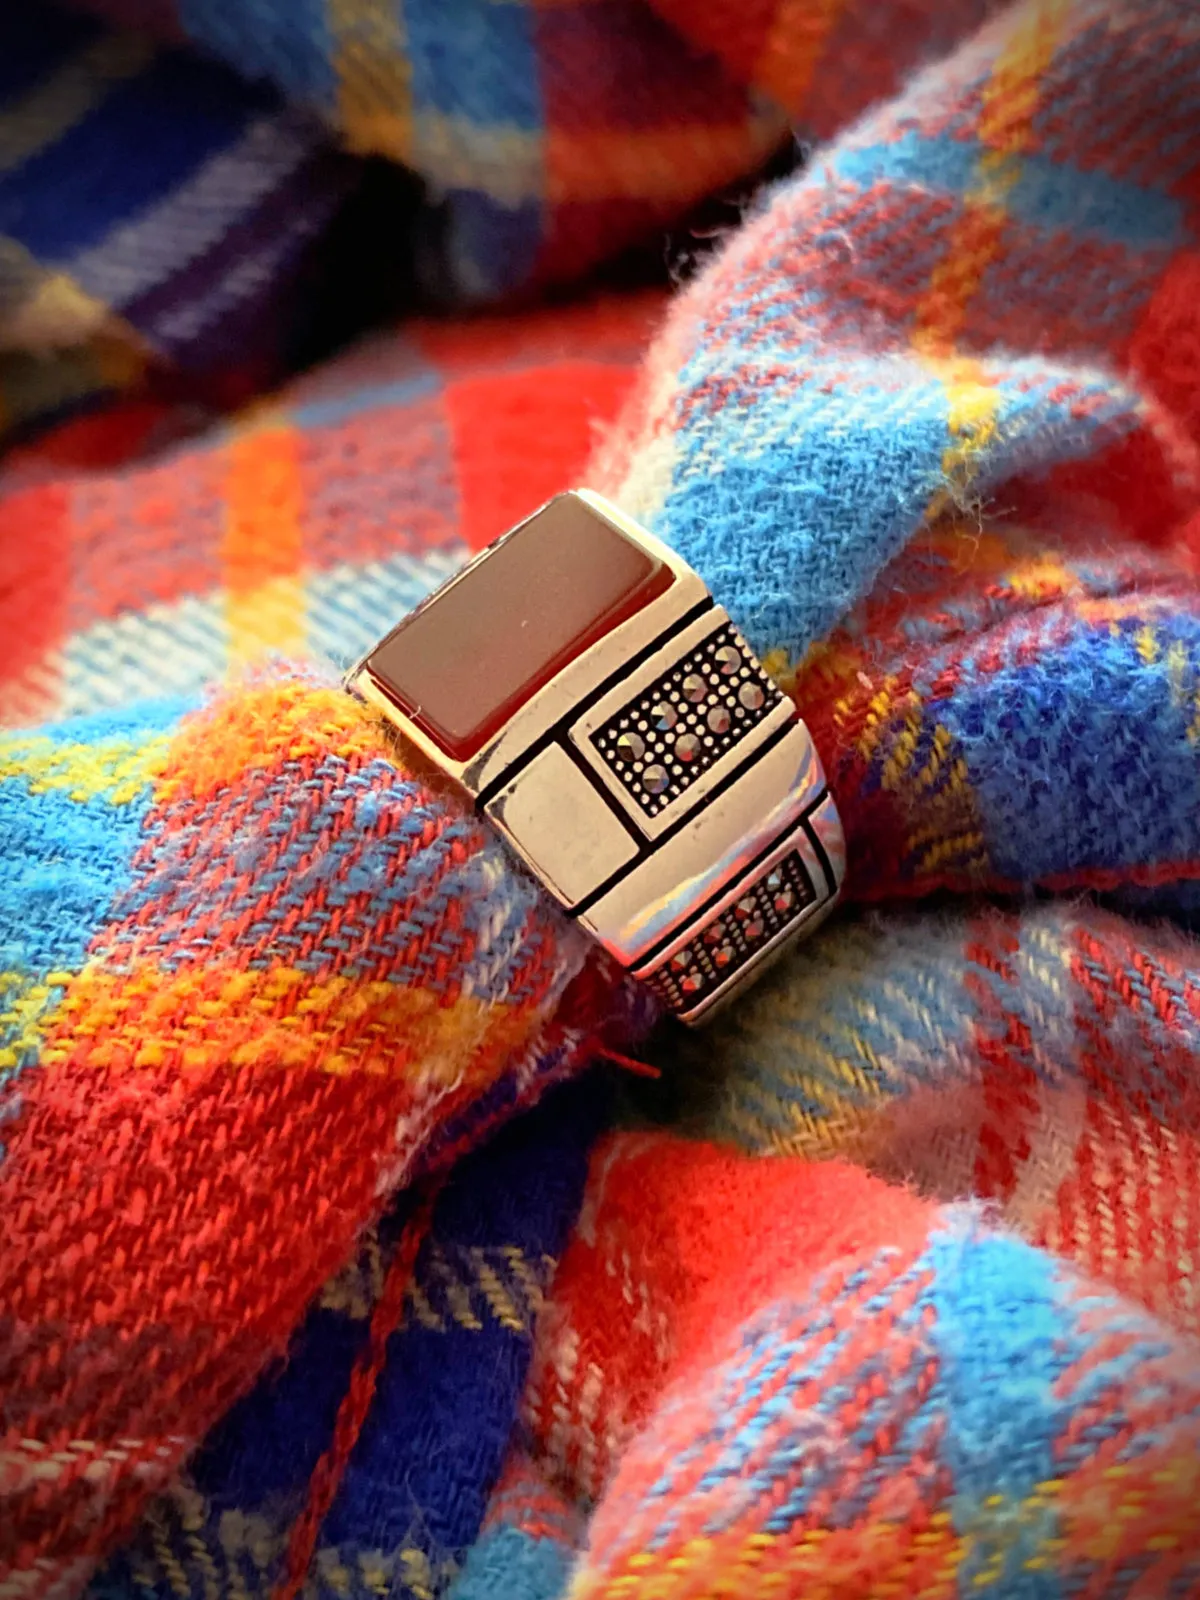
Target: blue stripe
{"type": "Point", "coordinates": [63, 863]}
{"type": "Point", "coordinates": [821, 484]}
{"type": "Point", "coordinates": [328, 410]}
{"type": "Point", "coordinates": [156, 130]}
{"type": "Point", "coordinates": [289, 44]}
{"type": "Point", "coordinates": [141, 720]}
{"type": "Point", "coordinates": [490, 247]}
{"type": "Point", "coordinates": [510, 1564]}
{"type": "Point", "coordinates": [1095, 801]}
{"type": "Point", "coordinates": [302, 844]}
{"type": "Point", "coordinates": [476, 63]}
{"type": "Point", "coordinates": [1003, 1337]}
{"type": "Point", "coordinates": [1052, 195]}
{"type": "Point", "coordinates": [409, 1471]}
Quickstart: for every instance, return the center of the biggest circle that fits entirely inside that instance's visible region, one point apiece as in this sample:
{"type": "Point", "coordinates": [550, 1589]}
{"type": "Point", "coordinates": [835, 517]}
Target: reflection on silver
{"type": "Point", "coordinates": [726, 835]}
{"type": "Point", "coordinates": [669, 797]}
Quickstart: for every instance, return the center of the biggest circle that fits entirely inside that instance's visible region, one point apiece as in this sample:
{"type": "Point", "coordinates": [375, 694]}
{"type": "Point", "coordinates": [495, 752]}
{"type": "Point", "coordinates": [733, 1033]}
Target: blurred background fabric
{"type": "Point", "coordinates": [216, 190]}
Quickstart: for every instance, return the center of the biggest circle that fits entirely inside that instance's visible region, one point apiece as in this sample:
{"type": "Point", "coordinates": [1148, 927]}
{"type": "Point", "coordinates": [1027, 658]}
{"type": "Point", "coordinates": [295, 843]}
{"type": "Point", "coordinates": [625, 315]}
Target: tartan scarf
{"type": "Point", "coordinates": [272, 1315]}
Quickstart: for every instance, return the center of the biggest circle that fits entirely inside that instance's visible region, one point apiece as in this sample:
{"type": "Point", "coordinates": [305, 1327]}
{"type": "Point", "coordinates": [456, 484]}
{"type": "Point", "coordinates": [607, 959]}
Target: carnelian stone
{"type": "Point", "coordinates": [474, 652]}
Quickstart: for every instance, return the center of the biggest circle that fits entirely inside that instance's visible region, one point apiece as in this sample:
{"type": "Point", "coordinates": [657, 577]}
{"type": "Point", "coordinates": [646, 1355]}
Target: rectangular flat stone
{"type": "Point", "coordinates": [477, 650]}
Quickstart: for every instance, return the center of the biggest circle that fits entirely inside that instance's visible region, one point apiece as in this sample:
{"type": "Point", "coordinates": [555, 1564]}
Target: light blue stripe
{"type": "Point", "coordinates": [1003, 1338]}
{"type": "Point", "coordinates": [351, 839]}
{"type": "Point", "coordinates": [288, 45]}
{"type": "Point", "coordinates": [1051, 195]}
{"type": "Point", "coordinates": [509, 1564]}
{"type": "Point", "coordinates": [325, 411]}
{"type": "Point", "coordinates": [142, 720]}
{"type": "Point", "coordinates": [351, 608]}
{"type": "Point", "coordinates": [475, 63]}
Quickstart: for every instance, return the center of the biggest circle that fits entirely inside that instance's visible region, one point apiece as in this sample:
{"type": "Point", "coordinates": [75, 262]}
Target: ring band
{"type": "Point", "coordinates": [611, 722]}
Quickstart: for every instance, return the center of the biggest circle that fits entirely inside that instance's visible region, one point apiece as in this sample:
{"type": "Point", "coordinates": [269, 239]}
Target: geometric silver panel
{"type": "Point", "coordinates": [736, 937]}
{"type": "Point", "coordinates": [660, 743]}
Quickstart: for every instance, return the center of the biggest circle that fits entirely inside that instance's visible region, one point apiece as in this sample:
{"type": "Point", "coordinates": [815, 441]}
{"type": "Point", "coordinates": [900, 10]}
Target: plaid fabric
{"type": "Point", "coordinates": [1044, 1061]}
{"type": "Point", "coordinates": [380, 984]}
{"type": "Point", "coordinates": [552, 136]}
{"type": "Point", "coordinates": [928, 425]}
{"type": "Point", "coordinates": [307, 527]}
{"type": "Point", "coordinates": [958, 462]}
{"type": "Point", "coordinates": [399, 1509]}
{"type": "Point", "coordinates": [153, 210]}
{"type": "Point", "coordinates": [548, 139]}
{"type": "Point", "coordinates": [815, 1383]}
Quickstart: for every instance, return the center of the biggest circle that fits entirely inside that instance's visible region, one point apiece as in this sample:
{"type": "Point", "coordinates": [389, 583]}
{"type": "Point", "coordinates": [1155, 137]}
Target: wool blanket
{"type": "Point", "coordinates": [341, 1256]}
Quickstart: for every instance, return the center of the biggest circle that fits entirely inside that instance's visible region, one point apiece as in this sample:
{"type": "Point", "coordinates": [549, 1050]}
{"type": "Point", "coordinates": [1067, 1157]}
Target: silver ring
{"type": "Point", "coordinates": [582, 686]}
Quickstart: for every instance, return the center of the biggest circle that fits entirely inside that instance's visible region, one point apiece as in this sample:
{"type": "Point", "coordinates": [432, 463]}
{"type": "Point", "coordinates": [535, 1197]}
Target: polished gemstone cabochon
{"type": "Point", "coordinates": [468, 658]}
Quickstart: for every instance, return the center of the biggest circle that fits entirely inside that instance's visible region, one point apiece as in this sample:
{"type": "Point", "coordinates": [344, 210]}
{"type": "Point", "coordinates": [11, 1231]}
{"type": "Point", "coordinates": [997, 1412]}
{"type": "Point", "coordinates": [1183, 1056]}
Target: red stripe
{"type": "Point", "coordinates": [35, 577]}
{"type": "Point", "coordinates": [520, 437]}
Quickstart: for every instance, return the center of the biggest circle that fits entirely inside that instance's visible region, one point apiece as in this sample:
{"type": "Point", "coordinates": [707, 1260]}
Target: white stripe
{"type": "Point", "coordinates": [194, 217]}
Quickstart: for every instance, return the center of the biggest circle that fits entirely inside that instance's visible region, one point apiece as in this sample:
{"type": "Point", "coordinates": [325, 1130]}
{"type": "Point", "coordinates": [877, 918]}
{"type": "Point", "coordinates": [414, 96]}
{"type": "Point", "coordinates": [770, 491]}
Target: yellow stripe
{"type": "Point", "coordinates": [49, 110]}
{"type": "Point", "coordinates": [169, 1563]}
{"type": "Point", "coordinates": [32, 384]}
{"type": "Point", "coordinates": [374, 77]}
{"type": "Point", "coordinates": [217, 1017]}
{"type": "Point", "coordinates": [42, 309]}
{"type": "Point", "coordinates": [1147, 644]}
{"type": "Point", "coordinates": [1041, 577]}
{"type": "Point", "coordinates": [1010, 97]}
{"type": "Point", "coordinates": [423, 1311]}
{"type": "Point", "coordinates": [502, 1276]}
{"type": "Point", "coordinates": [457, 1293]}
{"type": "Point", "coordinates": [904, 746]}
{"type": "Point", "coordinates": [265, 621]}
{"type": "Point", "coordinates": [1177, 671]}
{"type": "Point", "coordinates": [26, 1005]}
{"type": "Point", "coordinates": [875, 723]}
{"type": "Point", "coordinates": [1009, 101]}
{"type": "Point", "coordinates": [527, 1279]}
{"type": "Point", "coordinates": [354, 1290]}
{"type": "Point", "coordinates": [942, 741]}
{"type": "Point", "coordinates": [503, 1306]}
{"type": "Point", "coordinates": [116, 770]}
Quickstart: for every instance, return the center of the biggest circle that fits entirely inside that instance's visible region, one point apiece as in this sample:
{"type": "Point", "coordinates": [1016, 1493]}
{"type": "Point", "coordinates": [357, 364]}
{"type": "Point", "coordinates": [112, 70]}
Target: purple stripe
{"type": "Point", "coordinates": [282, 224]}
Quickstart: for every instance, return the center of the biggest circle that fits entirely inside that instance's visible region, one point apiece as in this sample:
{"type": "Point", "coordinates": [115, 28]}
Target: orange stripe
{"type": "Point", "coordinates": [221, 1017]}
{"type": "Point", "coordinates": [262, 727]}
{"type": "Point", "coordinates": [262, 553]}
{"type": "Point", "coordinates": [262, 491]}
{"type": "Point", "coordinates": [1010, 99]}
{"type": "Point", "coordinates": [652, 167]}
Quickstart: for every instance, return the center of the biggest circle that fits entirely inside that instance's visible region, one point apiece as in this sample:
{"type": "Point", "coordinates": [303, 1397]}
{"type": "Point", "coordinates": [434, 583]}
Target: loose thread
{"type": "Point", "coordinates": [643, 1069]}
{"type": "Point", "coordinates": [356, 1403]}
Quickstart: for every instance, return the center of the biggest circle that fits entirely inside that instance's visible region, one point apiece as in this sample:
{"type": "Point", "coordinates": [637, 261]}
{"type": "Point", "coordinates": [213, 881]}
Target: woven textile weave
{"type": "Point", "coordinates": [902, 1300]}
{"type": "Point", "coordinates": [547, 139]}
{"type": "Point", "coordinates": [551, 135]}
{"type": "Point", "coordinates": [153, 210]}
